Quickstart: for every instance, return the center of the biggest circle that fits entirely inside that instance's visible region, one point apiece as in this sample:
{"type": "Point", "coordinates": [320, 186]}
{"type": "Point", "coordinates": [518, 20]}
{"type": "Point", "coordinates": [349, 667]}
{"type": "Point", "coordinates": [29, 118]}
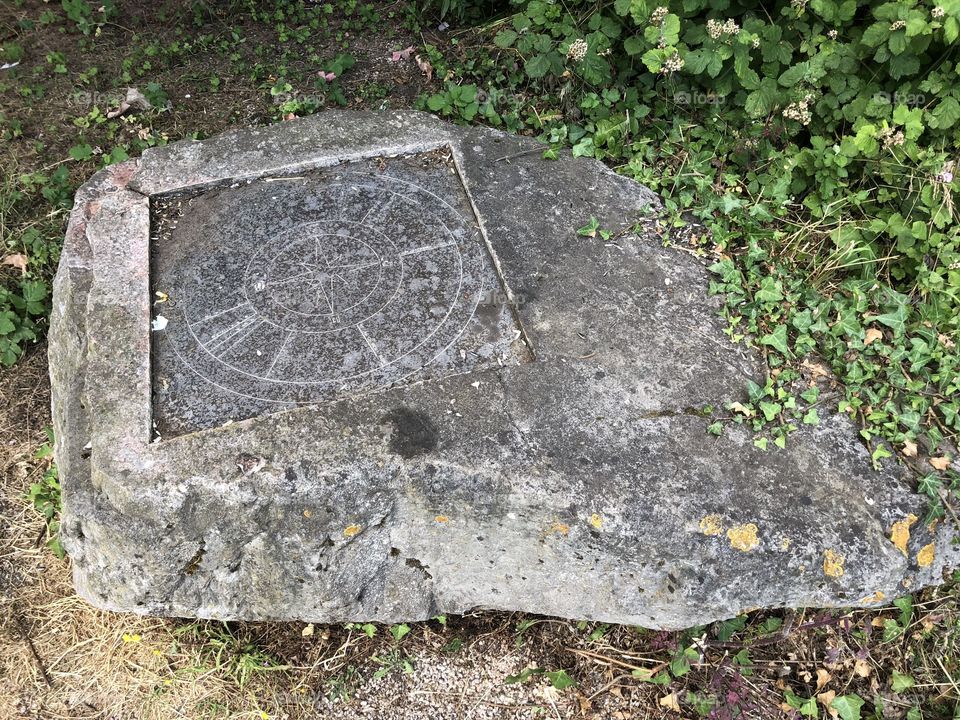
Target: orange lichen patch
{"type": "Point", "coordinates": [560, 528]}
{"type": "Point", "coordinates": [441, 519]}
{"type": "Point", "coordinates": [307, 513]}
{"type": "Point", "coordinates": [878, 596]}
{"type": "Point", "coordinates": [596, 521]}
{"type": "Point", "coordinates": [925, 556]}
{"type": "Point", "coordinates": [351, 530]}
{"type": "Point", "coordinates": [743, 537]}
{"type": "Point", "coordinates": [900, 532]}
{"type": "Point", "coordinates": [712, 525]}
{"type": "Point", "coordinates": [833, 563]}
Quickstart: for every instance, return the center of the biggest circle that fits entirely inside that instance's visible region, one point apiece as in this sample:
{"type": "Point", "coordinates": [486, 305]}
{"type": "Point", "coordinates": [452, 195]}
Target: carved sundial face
{"type": "Point", "coordinates": [307, 289]}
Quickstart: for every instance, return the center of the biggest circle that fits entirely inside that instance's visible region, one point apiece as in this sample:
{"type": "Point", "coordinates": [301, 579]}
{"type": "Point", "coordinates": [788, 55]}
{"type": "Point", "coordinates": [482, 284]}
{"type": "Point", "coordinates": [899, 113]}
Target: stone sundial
{"type": "Point", "coordinates": [309, 287]}
{"type": "Point", "coordinates": [362, 367]}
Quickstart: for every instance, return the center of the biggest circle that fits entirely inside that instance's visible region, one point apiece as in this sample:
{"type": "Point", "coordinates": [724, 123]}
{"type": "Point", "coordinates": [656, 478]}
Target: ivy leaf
{"type": "Point", "coordinates": [848, 706]}
{"type": "Point", "coordinates": [900, 682]}
{"type": "Point", "coordinates": [777, 340]}
{"type": "Point", "coordinates": [895, 320]}
{"type": "Point", "coordinates": [771, 291]}
{"type": "Point", "coordinates": [770, 410]}
{"type": "Point", "coordinates": [560, 680]}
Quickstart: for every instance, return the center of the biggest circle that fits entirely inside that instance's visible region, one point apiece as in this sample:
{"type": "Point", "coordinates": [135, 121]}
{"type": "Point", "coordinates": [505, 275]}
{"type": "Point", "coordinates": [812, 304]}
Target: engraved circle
{"type": "Point", "coordinates": [378, 279]}
{"type": "Point", "coordinates": [323, 276]}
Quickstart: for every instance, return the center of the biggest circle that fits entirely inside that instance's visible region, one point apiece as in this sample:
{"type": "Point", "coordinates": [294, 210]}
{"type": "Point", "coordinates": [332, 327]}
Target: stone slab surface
{"type": "Point", "coordinates": [542, 450]}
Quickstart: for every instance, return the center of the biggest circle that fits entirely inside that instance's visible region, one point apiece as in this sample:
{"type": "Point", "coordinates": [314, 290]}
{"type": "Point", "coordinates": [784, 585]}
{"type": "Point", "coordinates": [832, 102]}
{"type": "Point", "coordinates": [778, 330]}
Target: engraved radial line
{"type": "Point", "coordinates": [366, 339]}
{"type": "Point", "coordinates": [286, 336]}
{"type": "Point", "coordinates": [222, 312]}
{"type": "Point", "coordinates": [230, 330]}
{"type": "Point", "coordinates": [300, 276]}
{"type": "Point", "coordinates": [325, 296]}
{"type": "Point", "coordinates": [382, 208]}
{"type": "Point", "coordinates": [427, 248]}
{"type": "Point", "coordinates": [237, 339]}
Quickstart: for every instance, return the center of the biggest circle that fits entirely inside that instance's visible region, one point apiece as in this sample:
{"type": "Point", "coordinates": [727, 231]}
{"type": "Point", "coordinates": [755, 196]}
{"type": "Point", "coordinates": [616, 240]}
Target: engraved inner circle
{"type": "Point", "coordinates": [323, 276]}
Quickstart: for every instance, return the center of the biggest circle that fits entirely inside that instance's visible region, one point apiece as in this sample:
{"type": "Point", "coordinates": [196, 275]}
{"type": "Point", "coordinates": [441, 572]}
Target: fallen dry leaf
{"type": "Point", "coordinates": [909, 449]}
{"type": "Point", "coordinates": [861, 668]}
{"type": "Point", "coordinates": [398, 55]}
{"type": "Point", "coordinates": [816, 369]}
{"type": "Point", "coordinates": [826, 698]}
{"type": "Point", "coordinates": [872, 335]}
{"type": "Point", "coordinates": [425, 67]}
{"type": "Point", "coordinates": [135, 100]}
{"type": "Point", "coordinates": [823, 677]}
{"type": "Point", "coordinates": [940, 463]}
{"type": "Point", "coordinates": [670, 702]}
{"type": "Point", "coordinates": [742, 409]}
{"type": "Point", "coordinates": [17, 260]}
{"type": "Point", "coordinates": [307, 631]}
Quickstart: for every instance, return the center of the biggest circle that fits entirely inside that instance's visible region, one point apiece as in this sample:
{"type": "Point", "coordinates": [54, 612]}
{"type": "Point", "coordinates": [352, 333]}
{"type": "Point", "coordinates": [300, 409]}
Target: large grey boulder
{"type": "Point", "coordinates": [362, 367]}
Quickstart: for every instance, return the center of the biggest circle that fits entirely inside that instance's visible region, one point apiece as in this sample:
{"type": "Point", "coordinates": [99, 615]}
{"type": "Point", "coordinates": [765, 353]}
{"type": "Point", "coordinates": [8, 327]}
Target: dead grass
{"type": "Point", "coordinates": [61, 658]}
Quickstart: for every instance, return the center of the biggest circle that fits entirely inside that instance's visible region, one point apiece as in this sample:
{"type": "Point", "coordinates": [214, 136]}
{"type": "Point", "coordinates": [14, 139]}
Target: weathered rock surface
{"type": "Point", "coordinates": [375, 442]}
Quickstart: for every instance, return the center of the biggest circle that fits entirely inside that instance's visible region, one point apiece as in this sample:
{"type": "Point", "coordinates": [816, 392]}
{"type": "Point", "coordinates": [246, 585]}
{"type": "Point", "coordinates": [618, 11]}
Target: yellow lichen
{"type": "Point", "coordinates": [785, 544]}
{"type": "Point", "coordinates": [925, 556]}
{"type": "Point", "coordinates": [441, 519]}
{"type": "Point", "coordinates": [743, 537]}
{"type": "Point", "coordinates": [351, 530]}
{"type": "Point", "coordinates": [900, 532]}
{"type": "Point", "coordinates": [712, 525]}
{"type": "Point", "coordinates": [833, 563]}
{"type": "Point", "coordinates": [596, 521]}
{"type": "Point", "coordinates": [560, 528]}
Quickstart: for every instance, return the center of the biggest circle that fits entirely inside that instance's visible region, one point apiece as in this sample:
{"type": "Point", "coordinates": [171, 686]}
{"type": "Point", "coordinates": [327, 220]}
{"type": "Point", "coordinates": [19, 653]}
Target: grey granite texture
{"type": "Point", "coordinates": [549, 456]}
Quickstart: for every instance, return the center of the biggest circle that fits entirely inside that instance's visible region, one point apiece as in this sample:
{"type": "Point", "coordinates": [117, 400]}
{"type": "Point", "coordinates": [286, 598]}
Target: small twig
{"type": "Point", "coordinates": [604, 658]}
{"type": "Point", "coordinates": [25, 634]}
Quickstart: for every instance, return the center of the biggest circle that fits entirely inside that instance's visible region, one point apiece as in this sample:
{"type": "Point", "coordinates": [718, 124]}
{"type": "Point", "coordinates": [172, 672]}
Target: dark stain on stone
{"type": "Point", "coordinates": [413, 432]}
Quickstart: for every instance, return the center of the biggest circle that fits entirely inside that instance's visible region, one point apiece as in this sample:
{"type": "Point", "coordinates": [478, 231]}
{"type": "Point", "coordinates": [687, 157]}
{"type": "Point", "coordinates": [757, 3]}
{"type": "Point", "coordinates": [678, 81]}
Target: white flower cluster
{"type": "Point", "coordinates": [798, 5]}
{"type": "Point", "coordinates": [716, 30]}
{"type": "Point", "coordinates": [578, 50]}
{"type": "Point", "coordinates": [898, 25]}
{"type": "Point", "coordinates": [954, 266]}
{"type": "Point", "coordinates": [799, 111]}
{"type": "Point", "coordinates": [938, 12]}
{"type": "Point", "coordinates": [755, 43]}
{"type": "Point", "coordinates": [891, 138]}
{"type": "Point", "coordinates": [832, 34]}
{"type": "Point", "coordinates": [658, 15]}
{"type": "Point", "coordinates": [672, 64]}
